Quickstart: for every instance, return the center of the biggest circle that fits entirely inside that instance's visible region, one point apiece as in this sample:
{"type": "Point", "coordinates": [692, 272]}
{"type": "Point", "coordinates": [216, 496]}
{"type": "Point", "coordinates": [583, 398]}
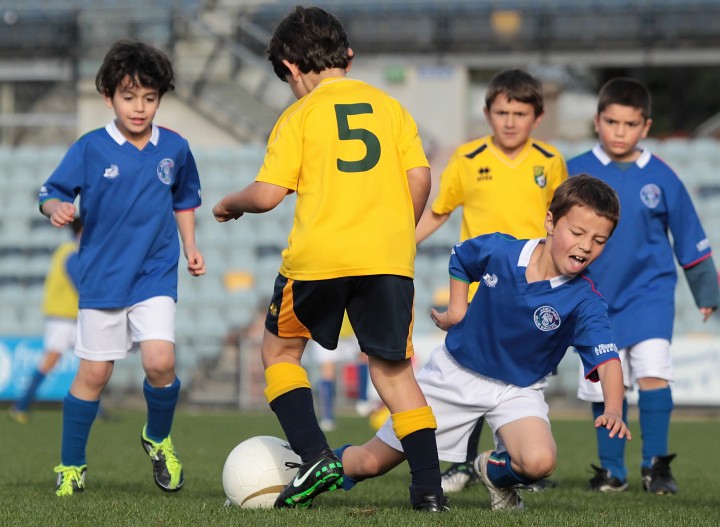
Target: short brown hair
{"type": "Point", "coordinates": [585, 191]}
{"type": "Point", "coordinates": [517, 85]}
{"type": "Point", "coordinates": [625, 92]}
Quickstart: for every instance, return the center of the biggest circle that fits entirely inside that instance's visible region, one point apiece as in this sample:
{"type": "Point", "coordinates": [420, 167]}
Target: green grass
{"type": "Point", "coordinates": [120, 489]}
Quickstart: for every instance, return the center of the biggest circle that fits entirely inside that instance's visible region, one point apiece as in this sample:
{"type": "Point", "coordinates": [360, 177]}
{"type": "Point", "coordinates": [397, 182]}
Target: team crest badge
{"type": "Point", "coordinates": [546, 318]}
{"type": "Point", "coordinates": [539, 175]}
{"type": "Point", "coordinates": [111, 172]}
{"type": "Point", "coordinates": [490, 280]}
{"type": "Point", "coordinates": [650, 195]}
{"type": "Point", "coordinates": [273, 310]}
{"type": "Point", "coordinates": [165, 170]}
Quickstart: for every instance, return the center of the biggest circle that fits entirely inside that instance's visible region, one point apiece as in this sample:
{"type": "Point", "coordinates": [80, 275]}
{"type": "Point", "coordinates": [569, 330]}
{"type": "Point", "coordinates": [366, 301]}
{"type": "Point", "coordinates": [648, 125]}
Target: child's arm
{"type": "Point", "coordinates": [419, 182]}
{"type": "Point", "coordinates": [703, 281]}
{"type": "Point", "coordinates": [429, 223]}
{"type": "Point", "coordinates": [185, 220]}
{"type": "Point", "coordinates": [60, 212]}
{"type": "Point", "coordinates": [457, 306]}
{"type": "Point", "coordinates": [611, 380]}
{"type": "Point", "coordinates": [257, 197]}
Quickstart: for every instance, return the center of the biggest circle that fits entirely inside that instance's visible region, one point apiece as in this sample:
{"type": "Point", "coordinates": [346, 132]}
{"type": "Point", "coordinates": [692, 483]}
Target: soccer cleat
{"type": "Point", "coordinates": [501, 499]}
{"type": "Point", "coordinates": [167, 469]}
{"type": "Point", "coordinates": [70, 480]}
{"type": "Point", "coordinates": [457, 477]}
{"type": "Point", "coordinates": [602, 481]}
{"type": "Point", "coordinates": [658, 479]}
{"type": "Point", "coordinates": [322, 474]}
{"type": "Point", "coordinates": [432, 503]}
{"type": "Point", "coordinates": [19, 416]}
{"type": "Point", "coordinates": [540, 485]}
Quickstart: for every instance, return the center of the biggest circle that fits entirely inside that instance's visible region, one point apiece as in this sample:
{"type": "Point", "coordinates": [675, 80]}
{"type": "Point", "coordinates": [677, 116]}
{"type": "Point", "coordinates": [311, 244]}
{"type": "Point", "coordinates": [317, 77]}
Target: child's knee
{"type": "Point", "coordinates": [538, 463]}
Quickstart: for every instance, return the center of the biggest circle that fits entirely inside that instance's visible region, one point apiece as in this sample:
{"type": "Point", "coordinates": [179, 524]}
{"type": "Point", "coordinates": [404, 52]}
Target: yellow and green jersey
{"type": "Point", "coordinates": [345, 148]}
{"type": "Point", "coordinates": [61, 296]}
{"type": "Point", "coordinates": [499, 194]}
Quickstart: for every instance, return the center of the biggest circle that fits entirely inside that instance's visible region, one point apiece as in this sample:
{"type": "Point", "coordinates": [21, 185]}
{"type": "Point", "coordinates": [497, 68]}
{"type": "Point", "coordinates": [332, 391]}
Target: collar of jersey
{"type": "Point", "coordinates": [112, 130]}
{"type": "Point", "coordinates": [641, 161]}
{"type": "Point", "coordinates": [524, 260]}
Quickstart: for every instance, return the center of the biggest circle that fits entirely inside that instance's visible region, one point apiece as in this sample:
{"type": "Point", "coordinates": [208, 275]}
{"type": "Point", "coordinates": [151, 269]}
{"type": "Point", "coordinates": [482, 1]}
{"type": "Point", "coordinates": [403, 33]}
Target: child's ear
{"type": "Point", "coordinates": [351, 56]}
{"type": "Point", "coordinates": [549, 223]}
{"type": "Point", "coordinates": [294, 70]}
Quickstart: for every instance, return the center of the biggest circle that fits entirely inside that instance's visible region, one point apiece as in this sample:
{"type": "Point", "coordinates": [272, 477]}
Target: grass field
{"type": "Point", "coordinates": [120, 489]}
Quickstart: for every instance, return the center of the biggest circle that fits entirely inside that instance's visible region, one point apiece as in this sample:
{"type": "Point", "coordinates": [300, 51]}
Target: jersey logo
{"type": "Point", "coordinates": [484, 174]}
{"type": "Point", "coordinates": [602, 349]}
{"type": "Point", "coordinates": [273, 310]}
{"type": "Point", "coordinates": [111, 172]}
{"type": "Point", "coordinates": [546, 318]}
{"type": "Point", "coordinates": [539, 175]}
{"type": "Point", "coordinates": [650, 195]}
{"type": "Point", "coordinates": [702, 245]}
{"type": "Point", "coordinates": [490, 280]}
{"type": "Point", "coordinates": [165, 170]}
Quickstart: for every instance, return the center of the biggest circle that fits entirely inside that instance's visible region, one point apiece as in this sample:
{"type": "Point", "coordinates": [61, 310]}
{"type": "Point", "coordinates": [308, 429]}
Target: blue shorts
{"type": "Point", "coordinates": [379, 307]}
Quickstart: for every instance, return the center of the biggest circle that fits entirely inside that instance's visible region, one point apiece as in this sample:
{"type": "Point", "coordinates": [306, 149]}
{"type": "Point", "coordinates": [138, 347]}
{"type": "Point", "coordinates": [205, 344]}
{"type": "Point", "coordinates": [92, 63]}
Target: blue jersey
{"type": "Point", "coordinates": [637, 269]}
{"type": "Point", "coordinates": [129, 249]}
{"type": "Point", "coordinates": [516, 331]}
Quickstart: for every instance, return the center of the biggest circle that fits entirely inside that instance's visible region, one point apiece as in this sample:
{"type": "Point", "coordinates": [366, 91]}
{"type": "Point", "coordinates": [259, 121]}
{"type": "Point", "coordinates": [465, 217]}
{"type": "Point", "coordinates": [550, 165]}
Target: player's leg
{"type": "Point", "coordinates": [300, 311]}
{"type": "Point", "coordinates": [381, 312]}
{"type": "Point", "coordinates": [59, 336]}
{"type": "Point", "coordinates": [152, 324]}
{"type": "Point", "coordinates": [652, 364]}
{"type": "Point", "coordinates": [461, 475]}
{"type": "Point", "coordinates": [525, 450]}
{"type": "Point", "coordinates": [611, 475]}
{"type": "Point", "coordinates": [372, 459]}
{"type": "Point", "coordinates": [101, 339]}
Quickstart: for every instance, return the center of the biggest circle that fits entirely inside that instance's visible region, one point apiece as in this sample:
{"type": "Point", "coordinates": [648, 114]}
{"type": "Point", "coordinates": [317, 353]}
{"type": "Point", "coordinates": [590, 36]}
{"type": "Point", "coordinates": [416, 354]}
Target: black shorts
{"type": "Point", "coordinates": [380, 309]}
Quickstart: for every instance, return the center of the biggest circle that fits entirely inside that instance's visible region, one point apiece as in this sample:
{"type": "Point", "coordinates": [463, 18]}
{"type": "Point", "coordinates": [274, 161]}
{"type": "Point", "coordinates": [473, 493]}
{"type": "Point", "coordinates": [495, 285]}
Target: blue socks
{"type": "Point", "coordinates": [611, 451]}
{"type": "Point", "coordinates": [348, 482]}
{"type": "Point", "coordinates": [655, 409]}
{"type": "Point", "coordinates": [24, 402]}
{"type": "Point", "coordinates": [500, 471]}
{"type": "Point", "coordinates": [161, 404]}
{"type": "Point", "coordinates": [327, 398]}
{"type": "Point", "coordinates": [78, 417]}
{"type": "Point", "coordinates": [363, 378]}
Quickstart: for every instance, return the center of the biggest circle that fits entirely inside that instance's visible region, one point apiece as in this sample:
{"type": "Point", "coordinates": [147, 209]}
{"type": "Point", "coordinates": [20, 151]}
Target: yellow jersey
{"type": "Point", "coordinates": [61, 297]}
{"type": "Point", "coordinates": [345, 148]}
{"type": "Point", "coordinates": [499, 194]}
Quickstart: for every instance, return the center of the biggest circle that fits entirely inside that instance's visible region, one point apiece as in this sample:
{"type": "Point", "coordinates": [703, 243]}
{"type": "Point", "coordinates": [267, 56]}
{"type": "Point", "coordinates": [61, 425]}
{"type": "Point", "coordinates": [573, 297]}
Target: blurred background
{"type": "Point", "coordinates": [434, 56]}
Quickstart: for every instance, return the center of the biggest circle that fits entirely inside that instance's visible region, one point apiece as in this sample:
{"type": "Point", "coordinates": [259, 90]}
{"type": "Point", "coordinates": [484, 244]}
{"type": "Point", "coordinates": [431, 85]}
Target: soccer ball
{"type": "Point", "coordinates": [257, 470]}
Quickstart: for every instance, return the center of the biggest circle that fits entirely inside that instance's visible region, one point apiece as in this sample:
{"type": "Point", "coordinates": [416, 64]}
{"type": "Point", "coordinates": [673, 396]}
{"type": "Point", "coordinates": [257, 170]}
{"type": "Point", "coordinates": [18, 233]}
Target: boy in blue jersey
{"type": "Point", "coordinates": [139, 186]}
{"type": "Point", "coordinates": [639, 284]}
{"type": "Point", "coordinates": [535, 299]}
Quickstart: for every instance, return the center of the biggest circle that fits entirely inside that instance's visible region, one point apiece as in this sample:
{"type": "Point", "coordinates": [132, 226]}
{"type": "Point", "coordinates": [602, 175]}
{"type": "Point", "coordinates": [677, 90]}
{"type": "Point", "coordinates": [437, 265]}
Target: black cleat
{"type": "Point", "coordinates": [658, 479]}
{"type": "Point", "coordinates": [602, 481]}
{"type": "Point", "coordinates": [431, 503]}
{"type": "Point", "coordinates": [322, 474]}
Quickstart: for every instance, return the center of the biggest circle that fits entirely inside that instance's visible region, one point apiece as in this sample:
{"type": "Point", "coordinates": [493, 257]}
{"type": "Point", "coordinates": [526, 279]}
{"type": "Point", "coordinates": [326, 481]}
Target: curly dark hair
{"type": "Point", "coordinates": [142, 64]}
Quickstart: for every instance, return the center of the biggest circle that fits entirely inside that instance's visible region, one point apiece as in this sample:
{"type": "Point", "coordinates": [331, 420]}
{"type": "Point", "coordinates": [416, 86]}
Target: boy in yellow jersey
{"type": "Point", "coordinates": [354, 157]}
{"type": "Point", "coordinates": [60, 307]}
{"type": "Point", "coordinates": [504, 182]}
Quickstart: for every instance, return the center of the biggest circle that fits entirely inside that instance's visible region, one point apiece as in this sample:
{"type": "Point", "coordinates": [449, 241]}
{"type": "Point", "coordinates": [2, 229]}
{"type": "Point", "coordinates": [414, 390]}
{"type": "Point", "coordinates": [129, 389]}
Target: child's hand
{"type": "Point", "coordinates": [195, 262]}
{"type": "Point", "coordinates": [60, 212]}
{"type": "Point", "coordinates": [706, 312]}
{"type": "Point", "coordinates": [222, 214]}
{"type": "Point", "coordinates": [441, 319]}
{"type": "Point", "coordinates": [615, 424]}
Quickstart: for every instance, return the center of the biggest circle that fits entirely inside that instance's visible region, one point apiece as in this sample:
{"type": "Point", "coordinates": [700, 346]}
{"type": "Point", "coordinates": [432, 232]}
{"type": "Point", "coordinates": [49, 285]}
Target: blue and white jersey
{"type": "Point", "coordinates": [637, 269]}
{"type": "Point", "coordinates": [129, 249]}
{"type": "Point", "coordinates": [516, 331]}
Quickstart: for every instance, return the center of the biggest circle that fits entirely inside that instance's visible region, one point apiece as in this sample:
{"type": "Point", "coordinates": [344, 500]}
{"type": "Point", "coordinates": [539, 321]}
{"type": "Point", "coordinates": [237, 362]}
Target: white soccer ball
{"type": "Point", "coordinates": [257, 470]}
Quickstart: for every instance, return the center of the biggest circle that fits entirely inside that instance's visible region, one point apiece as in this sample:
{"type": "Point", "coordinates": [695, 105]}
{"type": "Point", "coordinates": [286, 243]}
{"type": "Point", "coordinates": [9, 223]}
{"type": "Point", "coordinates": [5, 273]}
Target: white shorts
{"type": "Point", "coordinates": [649, 358]}
{"type": "Point", "coordinates": [459, 397]}
{"type": "Point", "coordinates": [108, 334]}
{"type": "Point", "coordinates": [59, 334]}
{"type": "Point", "coordinates": [347, 350]}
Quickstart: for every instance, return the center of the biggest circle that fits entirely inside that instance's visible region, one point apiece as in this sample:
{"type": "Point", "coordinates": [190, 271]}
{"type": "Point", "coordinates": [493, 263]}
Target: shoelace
{"type": "Point", "coordinates": [69, 475]}
{"type": "Point", "coordinates": [167, 450]}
